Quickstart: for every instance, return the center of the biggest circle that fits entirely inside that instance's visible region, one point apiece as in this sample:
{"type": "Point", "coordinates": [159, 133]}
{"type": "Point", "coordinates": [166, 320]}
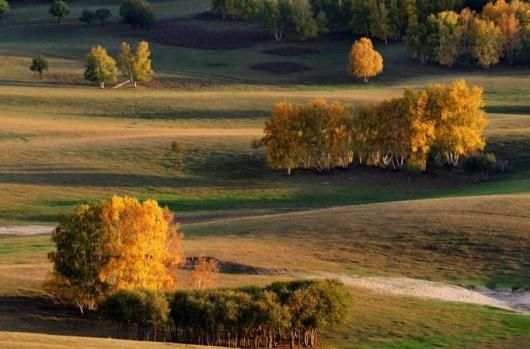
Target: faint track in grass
{"type": "Point", "coordinates": [402, 286]}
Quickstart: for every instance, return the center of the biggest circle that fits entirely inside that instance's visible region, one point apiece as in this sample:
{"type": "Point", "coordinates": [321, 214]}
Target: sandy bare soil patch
{"type": "Point", "coordinates": [402, 286]}
{"type": "Point", "coordinates": [25, 229]}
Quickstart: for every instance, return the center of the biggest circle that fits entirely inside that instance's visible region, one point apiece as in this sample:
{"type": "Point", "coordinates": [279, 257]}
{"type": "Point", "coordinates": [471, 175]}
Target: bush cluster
{"type": "Point", "coordinates": [245, 317]}
{"type": "Point", "coordinates": [397, 133]}
{"type": "Point", "coordinates": [482, 162]}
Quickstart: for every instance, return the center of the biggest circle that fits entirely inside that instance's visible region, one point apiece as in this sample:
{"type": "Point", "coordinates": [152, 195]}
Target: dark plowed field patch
{"type": "Point", "coordinates": [281, 67]}
{"type": "Point", "coordinates": [177, 33]}
{"type": "Point", "coordinates": [292, 51]}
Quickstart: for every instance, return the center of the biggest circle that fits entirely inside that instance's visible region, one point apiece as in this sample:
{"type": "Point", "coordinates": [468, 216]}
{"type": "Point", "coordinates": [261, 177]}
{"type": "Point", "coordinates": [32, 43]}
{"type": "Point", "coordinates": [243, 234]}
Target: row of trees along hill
{"type": "Point", "coordinates": [134, 66]}
{"type": "Point", "coordinates": [383, 19]}
{"type": "Point", "coordinates": [251, 317]}
{"type": "Point", "coordinates": [442, 123]}
{"type": "Point", "coordinates": [117, 244]}
{"type": "Point", "coordinates": [501, 30]}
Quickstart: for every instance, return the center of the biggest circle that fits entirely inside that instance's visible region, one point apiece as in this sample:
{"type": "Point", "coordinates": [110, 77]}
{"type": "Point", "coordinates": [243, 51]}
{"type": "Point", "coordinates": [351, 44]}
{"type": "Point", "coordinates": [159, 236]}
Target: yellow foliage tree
{"type": "Point", "coordinates": [142, 242]}
{"type": "Point", "coordinates": [282, 137]}
{"type": "Point", "coordinates": [488, 42]}
{"type": "Point", "coordinates": [457, 111]}
{"type": "Point", "coordinates": [364, 61]}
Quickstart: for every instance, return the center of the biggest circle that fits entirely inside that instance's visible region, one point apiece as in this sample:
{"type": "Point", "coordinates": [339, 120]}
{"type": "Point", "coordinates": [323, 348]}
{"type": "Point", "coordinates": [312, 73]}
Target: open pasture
{"type": "Point", "coordinates": [64, 141]}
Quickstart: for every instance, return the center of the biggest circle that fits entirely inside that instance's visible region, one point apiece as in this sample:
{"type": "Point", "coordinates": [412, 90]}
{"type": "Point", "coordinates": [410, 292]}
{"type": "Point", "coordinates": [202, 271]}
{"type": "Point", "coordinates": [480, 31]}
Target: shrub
{"type": "Point", "coordinates": [436, 158]}
{"type": "Point", "coordinates": [137, 13]}
{"type": "Point", "coordinates": [59, 9]}
{"type": "Point", "coordinates": [102, 14]}
{"type": "Point", "coordinates": [415, 165]}
{"type": "Point", "coordinates": [483, 162]}
{"type": "Point", "coordinates": [87, 17]}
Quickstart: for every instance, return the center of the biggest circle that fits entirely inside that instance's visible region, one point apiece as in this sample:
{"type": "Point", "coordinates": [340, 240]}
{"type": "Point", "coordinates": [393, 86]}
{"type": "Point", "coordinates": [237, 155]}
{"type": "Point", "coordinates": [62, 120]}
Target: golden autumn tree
{"type": "Point", "coordinates": [282, 137]}
{"type": "Point", "coordinates": [324, 135]}
{"type": "Point", "coordinates": [205, 274]}
{"type": "Point", "coordinates": [116, 244]}
{"type": "Point", "coordinates": [457, 112]}
{"type": "Point", "coordinates": [364, 61]}
{"type": "Point", "coordinates": [142, 243]}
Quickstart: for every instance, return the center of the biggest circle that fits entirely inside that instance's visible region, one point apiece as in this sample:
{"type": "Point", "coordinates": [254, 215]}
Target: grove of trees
{"type": "Point", "coordinates": [101, 15]}
{"type": "Point", "coordinates": [134, 66]}
{"type": "Point", "coordinates": [444, 121]}
{"type": "Point", "coordinates": [500, 31]}
{"type": "Point", "coordinates": [446, 31]}
{"type": "Point", "coordinates": [251, 317]}
{"type": "Point", "coordinates": [382, 19]}
{"type": "Point", "coordinates": [117, 244]}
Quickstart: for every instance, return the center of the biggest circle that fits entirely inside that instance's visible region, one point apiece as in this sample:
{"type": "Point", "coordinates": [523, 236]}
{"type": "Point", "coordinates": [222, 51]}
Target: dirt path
{"type": "Point", "coordinates": [402, 286]}
{"type": "Point", "coordinates": [25, 229]}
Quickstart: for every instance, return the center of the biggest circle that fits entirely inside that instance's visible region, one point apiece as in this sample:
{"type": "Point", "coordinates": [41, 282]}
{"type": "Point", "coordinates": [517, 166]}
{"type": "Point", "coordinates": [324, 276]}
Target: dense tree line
{"type": "Point", "coordinates": [383, 19]}
{"type": "Point", "coordinates": [117, 244]}
{"type": "Point", "coordinates": [249, 317]}
{"type": "Point", "coordinates": [444, 121]}
{"type": "Point", "coordinates": [501, 30]}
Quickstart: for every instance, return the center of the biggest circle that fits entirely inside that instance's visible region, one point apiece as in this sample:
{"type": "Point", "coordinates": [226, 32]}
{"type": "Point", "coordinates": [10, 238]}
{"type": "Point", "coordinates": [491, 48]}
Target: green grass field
{"type": "Point", "coordinates": [64, 141]}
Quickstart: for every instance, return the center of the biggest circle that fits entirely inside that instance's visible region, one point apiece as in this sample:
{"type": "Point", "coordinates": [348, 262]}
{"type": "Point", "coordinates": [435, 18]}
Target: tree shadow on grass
{"type": "Point", "coordinates": [41, 315]}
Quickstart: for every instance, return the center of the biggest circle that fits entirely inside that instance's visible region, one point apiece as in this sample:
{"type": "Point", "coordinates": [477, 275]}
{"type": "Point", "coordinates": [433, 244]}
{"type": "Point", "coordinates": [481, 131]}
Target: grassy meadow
{"type": "Point", "coordinates": [65, 141]}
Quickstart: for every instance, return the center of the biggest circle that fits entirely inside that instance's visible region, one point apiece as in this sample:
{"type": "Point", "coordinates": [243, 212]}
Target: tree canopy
{"type": "Point", "coordinates": [364, 62]}
{"type": "Point", "coordinates": [397, 133]}
{"type": "Point", "coordinates": [117, 244]}
{"type": "Point", "coordinates": [100, 67]}
{"type": "Point", "coordinates": [59, 9]}
{"type": "Point", "coordinates": [137, 13]}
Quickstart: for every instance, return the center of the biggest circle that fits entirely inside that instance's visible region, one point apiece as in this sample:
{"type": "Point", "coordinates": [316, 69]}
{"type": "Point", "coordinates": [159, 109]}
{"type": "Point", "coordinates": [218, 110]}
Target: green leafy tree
{"type": "Point", "coordinates": [379, 21]}
{"type": "Point", "coordinates": [4, 8]}
{"type": "Point", "coordinates": [146, 310]}
{"type": "Point", "coordinates": [102, 14]}
{"type": "Point", "coordinates": [60, 10]}
{"type": "Point", "coordinates": [302, 19]}
{"type": "Point", "coordinates": [100, 67]}
{"type": "Point", "coordinates": [78, 258]}
{"type": "Point", "coordinates": [39, 64]}
{"type": "Point", "coordinates": [137, 13]}
{"type": "Point", "coordinates": [360, 22]}
{"type": "Point", "coordinates": [87, 17]}
{"type": "Point", "coordinates": [277, 16]}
